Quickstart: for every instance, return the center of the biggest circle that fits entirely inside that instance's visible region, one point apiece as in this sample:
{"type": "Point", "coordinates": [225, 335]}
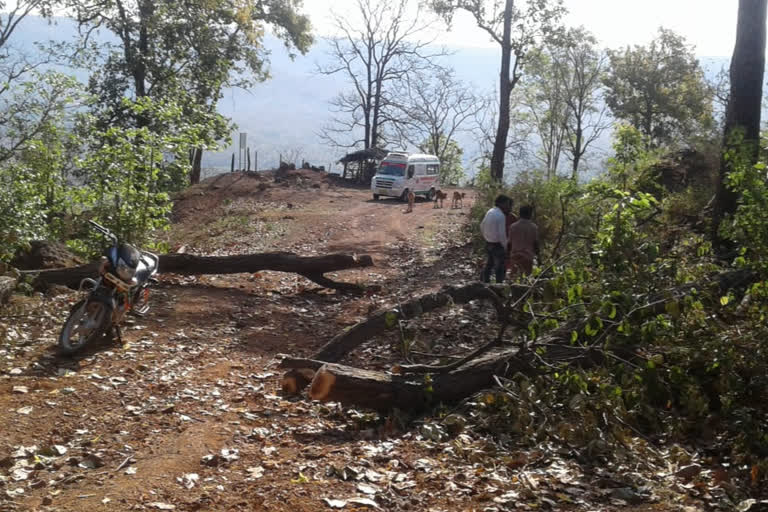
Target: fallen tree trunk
{"type": "Point", "coordinates": [311, 267]}
{"type": "Point", "coordinates": [298, 377]}
{"type": "Point", "coordinates": [383, 391]}
{"type": "Point", "coordinates": [384, 320]}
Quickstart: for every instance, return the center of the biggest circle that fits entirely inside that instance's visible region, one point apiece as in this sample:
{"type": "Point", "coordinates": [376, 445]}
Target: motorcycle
{"type": "Point", "coordinates": [122, 286]}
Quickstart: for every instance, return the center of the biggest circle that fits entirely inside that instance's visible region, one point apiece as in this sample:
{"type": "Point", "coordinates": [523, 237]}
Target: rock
{"type": "Point", "coordinates": [20, 389]}
{"type": "Point", "coordinates": [44, 254]}
{"type": "Point", "coordinates": [47, 500]}
{"type": "Point", "coordinates": [7, 285]}
{"type": "Point", "coordinates": [211, 460]}
{"type": "Point", "coordinates": [91, 461]}
{"type": "Point", "coordinates": [688, 472]}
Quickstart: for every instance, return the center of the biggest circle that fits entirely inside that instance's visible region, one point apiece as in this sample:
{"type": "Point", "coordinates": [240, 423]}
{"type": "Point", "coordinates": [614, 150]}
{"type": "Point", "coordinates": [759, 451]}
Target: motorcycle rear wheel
{"type": "Point", "coordinates": [86, 322]}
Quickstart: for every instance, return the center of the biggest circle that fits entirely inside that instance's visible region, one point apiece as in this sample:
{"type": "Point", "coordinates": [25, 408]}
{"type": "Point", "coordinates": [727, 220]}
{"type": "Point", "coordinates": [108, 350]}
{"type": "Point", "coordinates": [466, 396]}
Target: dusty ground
{"type": "Point", "coordinates": [187, 414]}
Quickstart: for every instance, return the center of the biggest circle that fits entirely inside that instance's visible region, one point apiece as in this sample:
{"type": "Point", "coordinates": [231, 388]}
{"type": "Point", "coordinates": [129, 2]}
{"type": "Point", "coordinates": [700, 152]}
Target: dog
{"type": "Point", "coordinates": [440, 196]}
{"type": "Point", "coordinates": [458, 200]}
{"type": "Point", "coordinates": [411, 200]}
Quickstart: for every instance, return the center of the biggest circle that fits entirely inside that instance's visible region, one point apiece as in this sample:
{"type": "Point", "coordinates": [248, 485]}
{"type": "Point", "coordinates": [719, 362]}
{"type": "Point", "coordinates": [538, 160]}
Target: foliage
{"type": "Point", "coordinates": [165, 47]}
{"type": "Point", "coordinates": [748, 226]}
{"type": "Point", "coordinates": [130, 172]}
{"type": "Point", "coordinates": [676, 342]}
{"type": "Point", "coordinates": [451, 170]}
{"type": "Point", "coordinates": [659, 89]}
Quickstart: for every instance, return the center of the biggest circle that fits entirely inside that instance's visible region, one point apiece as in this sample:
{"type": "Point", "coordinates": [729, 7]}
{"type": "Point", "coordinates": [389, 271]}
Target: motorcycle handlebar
{"type": "Point", "coordinates": [103, 230]}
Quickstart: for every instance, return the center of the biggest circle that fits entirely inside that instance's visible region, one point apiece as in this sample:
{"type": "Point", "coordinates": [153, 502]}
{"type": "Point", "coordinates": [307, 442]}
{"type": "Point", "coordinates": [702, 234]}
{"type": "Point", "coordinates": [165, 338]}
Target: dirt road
{"type": "Point", "coordinates": [129, 427]}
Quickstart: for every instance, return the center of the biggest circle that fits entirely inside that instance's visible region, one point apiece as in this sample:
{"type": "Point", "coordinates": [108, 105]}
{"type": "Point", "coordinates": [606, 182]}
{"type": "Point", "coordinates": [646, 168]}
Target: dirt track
{"type": "Point", "coordinates": [196, 376]}
{"type": "Point", "coordinates": [187, 415]}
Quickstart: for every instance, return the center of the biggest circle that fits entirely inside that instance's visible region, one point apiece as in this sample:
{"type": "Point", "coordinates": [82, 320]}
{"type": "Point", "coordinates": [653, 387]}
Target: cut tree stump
{"type": "Point", "coordinates": [382, 391]}
{"type": "Point", "coordinates": [311, 267]}
{"type": "Point", "coordinates": [381, 321]}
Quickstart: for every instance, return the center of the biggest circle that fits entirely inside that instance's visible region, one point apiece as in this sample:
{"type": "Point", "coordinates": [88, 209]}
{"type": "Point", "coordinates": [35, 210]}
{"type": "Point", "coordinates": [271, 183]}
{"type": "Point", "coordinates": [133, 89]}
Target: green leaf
{"type": "Point", "coordinates": [390, 319]}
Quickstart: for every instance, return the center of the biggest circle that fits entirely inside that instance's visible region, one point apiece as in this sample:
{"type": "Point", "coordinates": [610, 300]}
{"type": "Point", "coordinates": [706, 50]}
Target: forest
{"type": "Point", "coordinates": [634, 355]}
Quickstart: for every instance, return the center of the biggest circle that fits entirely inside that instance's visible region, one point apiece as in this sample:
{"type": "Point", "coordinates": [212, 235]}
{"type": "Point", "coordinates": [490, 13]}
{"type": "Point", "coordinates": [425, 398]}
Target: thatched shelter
{"type": "Point", "coordinates": [360, 165]}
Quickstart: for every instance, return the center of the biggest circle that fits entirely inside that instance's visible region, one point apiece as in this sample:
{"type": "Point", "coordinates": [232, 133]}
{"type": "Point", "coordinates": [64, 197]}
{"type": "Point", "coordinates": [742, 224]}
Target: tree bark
{"type": "Point", "coordinates": [744, 103]}
{"type": "Point", "coordinates": [196, 162]}
{"type": "Point", "coordinates": [381, 321]}
{"type": "Point", "coordinates": [312, 267]}
{"type": "Point", "coordinates": [383, 391]}
{"type": "Point", "coordinates": [505, 90]}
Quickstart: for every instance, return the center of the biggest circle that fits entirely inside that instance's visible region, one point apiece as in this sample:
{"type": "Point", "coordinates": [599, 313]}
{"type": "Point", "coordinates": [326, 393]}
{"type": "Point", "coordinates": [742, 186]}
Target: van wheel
{"type": "Point", "coordinates": [375, 197]}
{"type": "Point", "coordinates": [404, 196]}
{"type": "Point", "coordinates": [431, 195]}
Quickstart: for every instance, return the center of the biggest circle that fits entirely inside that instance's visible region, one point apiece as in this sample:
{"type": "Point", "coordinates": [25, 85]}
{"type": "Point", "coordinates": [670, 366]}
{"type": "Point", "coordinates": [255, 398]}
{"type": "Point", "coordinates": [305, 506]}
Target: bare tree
{"type": "Point", "coordinates": [483, 126]}
{"type": "Point", "coordinates": [533, 22]}
{"type": "Point", "coordinates": [376, 51]}
{"type": "Point", "coordinates": [23, 111]}
{"type": "Point", "coordinates": [435, 107]}
{"type": "Point", "coordinates": [580, 76]}
{"type": "Point", "coordinates": [546, 109]}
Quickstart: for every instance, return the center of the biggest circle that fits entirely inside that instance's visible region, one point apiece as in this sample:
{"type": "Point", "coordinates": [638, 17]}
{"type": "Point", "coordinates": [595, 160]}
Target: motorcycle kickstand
{"type": "Point", "coordinates": [119, 334]}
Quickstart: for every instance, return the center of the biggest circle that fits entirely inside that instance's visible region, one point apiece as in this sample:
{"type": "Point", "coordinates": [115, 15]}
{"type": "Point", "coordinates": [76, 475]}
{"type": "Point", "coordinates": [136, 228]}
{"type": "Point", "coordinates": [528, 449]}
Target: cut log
{"type": "Point", "coordinates": [383, 391]}
{"type": "Point", "coordinates": [7, 285]}
{"type": "Point", "coordinates": [311, 267]}
{"type": "Point", "coordinates": [381, 321]}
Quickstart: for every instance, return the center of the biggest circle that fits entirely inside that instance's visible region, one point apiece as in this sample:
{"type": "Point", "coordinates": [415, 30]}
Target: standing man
{"type": "Point", "coordinates": [523, 243]}
{"type": "Point", "coordinates": [494, 229]}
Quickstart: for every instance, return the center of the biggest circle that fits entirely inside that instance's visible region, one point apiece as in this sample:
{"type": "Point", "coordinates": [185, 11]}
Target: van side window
{"type": "Point", "coordinates": [432, 169]}
{"type": "Point", "coordinates": [410, 171]}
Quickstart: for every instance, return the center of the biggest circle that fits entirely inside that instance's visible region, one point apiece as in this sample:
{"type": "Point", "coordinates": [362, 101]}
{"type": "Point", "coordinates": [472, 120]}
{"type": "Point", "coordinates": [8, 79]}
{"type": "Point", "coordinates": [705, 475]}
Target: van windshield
{"type": "Point", "coordinates": [391, 169]}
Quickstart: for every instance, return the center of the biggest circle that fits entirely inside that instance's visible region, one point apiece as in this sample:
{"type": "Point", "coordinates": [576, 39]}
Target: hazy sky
{"type": "Point", "coordinates": [710, 25]}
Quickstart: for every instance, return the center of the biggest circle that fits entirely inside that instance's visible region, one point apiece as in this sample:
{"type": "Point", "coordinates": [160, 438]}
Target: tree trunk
{"type": "Point", "coordinates": [197, 159]}
{"type": "Point", "coordinates": [744, 103]}
{"type": "Point", "coordinates": [505, 90]}
{"type": "Point", "coordinates": [383, 391]}
{"type": "Point", "coordinates": [312, 267]}
{"type": "Point", "coordinates": [381, 321]}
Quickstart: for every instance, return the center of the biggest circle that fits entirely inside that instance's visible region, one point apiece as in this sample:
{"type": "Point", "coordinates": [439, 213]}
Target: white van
{"type": "Point", "coordinates": [400, 173]}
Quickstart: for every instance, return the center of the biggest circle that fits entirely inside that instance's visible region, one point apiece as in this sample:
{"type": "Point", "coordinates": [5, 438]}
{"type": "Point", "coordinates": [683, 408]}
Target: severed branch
{"type": "Point", "coordinates": [311, 267]}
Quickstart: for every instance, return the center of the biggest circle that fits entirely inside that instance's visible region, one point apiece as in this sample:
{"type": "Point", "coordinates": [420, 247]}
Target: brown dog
{"type": "Point", "coordinates": [411, 199]}
{"type": "Point", "coordinates": [440, 196]}
{"type": "Point", "coordinates": [458, 200]}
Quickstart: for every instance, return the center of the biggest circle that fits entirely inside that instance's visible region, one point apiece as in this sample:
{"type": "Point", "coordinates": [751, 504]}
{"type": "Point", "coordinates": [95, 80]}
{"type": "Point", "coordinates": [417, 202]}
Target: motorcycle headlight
{"type": "Point", "coordinates": [125, 272]}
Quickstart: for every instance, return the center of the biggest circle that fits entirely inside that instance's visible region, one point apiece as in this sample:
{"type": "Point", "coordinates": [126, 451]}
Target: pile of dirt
{"type": "Point", "coordinates": [198, 201]}
{"type": "Point", "coordinates": [45, 254]}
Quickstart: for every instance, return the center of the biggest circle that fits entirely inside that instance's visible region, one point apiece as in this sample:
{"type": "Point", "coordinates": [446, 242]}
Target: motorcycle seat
{"type": "Point", "coordinates": [148, 263]}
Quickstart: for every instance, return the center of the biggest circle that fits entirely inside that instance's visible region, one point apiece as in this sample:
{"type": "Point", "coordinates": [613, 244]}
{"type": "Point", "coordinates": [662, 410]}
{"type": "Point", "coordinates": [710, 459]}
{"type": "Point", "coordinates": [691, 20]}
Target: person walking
{"type": "Point", "coordinates": [494, 230]}
{"type": "Point", "coordinates": [523, 239]}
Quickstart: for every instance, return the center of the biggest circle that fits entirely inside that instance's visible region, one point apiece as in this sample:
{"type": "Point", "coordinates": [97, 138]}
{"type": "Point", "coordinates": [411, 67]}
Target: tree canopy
{"type": "Point", "coordinates": [660, 89]}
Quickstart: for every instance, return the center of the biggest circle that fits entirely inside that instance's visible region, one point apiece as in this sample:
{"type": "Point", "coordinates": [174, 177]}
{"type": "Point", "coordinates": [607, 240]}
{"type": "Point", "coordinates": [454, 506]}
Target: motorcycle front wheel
{"type": "Point", "coordinates": [86, 322]}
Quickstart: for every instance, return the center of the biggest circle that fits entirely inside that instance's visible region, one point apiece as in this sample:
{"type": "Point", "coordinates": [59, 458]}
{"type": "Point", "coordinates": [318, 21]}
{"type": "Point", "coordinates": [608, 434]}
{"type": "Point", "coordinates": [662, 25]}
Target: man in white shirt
{"type": "Point", "coordinates": [494, 230]}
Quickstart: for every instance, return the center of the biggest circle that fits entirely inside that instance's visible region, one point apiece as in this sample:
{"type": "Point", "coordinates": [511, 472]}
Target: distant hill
{"type": "Point", "coordinates": [285, 113]}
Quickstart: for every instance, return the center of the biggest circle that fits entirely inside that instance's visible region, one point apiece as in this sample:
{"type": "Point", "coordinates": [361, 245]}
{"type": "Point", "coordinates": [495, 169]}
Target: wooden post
{"type": "Point", "coordinates": [232, 165]}
{"type": "Point", "coordinates": [248, 160]}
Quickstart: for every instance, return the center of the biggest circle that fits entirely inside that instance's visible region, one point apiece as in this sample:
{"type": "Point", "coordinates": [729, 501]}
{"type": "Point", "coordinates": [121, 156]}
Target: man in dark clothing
{"type": "Point", "coordinates": [523, 239]}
